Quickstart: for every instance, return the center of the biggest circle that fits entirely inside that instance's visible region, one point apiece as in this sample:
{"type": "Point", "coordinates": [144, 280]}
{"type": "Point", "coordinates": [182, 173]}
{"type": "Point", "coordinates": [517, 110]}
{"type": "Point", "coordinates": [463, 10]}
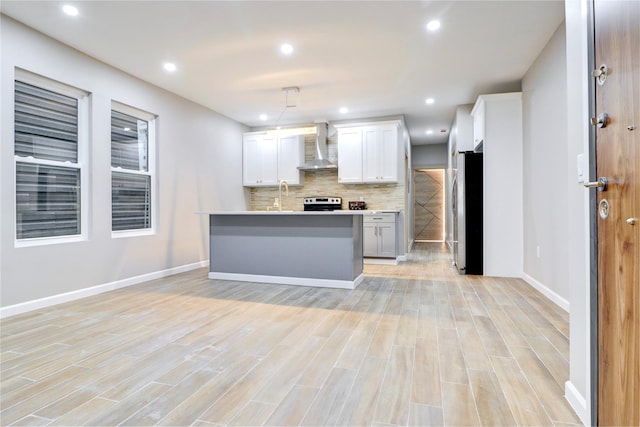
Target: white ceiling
{"type": "Point", "coordinates": [374, 57]}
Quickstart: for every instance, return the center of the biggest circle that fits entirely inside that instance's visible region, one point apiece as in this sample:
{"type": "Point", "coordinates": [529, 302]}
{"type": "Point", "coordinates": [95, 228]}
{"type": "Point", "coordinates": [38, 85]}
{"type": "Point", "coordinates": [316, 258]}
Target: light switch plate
{"type": "Point", "coordinates": [581, 168]}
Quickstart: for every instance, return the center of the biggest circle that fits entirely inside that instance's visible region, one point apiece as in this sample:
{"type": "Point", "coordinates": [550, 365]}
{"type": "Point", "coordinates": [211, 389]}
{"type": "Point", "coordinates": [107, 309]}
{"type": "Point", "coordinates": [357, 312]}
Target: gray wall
{"type": "Point", "coordinates": [544, 97]}
{"type": "Point", "coordinates": [199, 168]}
{"type": "Point", "coordinates": [429, 155]}
{"type": "Point", "coordinates": [556, 204]}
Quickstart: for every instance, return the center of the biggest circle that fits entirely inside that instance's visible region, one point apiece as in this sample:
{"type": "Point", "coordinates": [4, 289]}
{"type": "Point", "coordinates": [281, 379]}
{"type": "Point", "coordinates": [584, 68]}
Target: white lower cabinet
{"type": "Point", "coordinates": [379, 235]}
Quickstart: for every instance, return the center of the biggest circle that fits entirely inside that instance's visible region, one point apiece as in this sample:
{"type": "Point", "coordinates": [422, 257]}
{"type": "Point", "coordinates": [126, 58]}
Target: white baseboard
{"type": "Point", "coordinates": [287, 280]}
{"type": "Point", "coordinates": [382, 261]}
{"type": "Point", "coordinates": [24, 307]}
{"type": "Point", "coordinates": [554, 297]}
{"type": "Point", "coordinates": [577, 402]}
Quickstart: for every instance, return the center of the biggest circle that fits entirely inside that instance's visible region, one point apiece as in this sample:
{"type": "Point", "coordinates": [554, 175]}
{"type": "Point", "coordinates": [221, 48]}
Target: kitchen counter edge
{"type": "Point", "coordinates": [336, 212]}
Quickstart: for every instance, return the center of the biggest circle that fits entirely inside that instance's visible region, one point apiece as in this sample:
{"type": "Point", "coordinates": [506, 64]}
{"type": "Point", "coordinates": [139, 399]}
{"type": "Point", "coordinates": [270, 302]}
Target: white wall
{"type": "Point", "coordinates": [199, 168]}
{"type": "Point", "coordinates": [578, 388]}
{"type": "Point", "coordinates": [502, 184]}
{"type": "Point", "coordinates": [545, 198]}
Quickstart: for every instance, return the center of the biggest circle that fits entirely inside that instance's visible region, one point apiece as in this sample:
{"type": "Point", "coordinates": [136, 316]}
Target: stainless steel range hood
{"type": "Point", "coordinates": [320, 162]}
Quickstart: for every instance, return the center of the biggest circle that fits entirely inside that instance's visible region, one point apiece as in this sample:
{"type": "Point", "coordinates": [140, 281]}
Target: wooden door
{"type": "Point", "coordinates": [617, 45]}
{"type": "Point", "coordinates": [428, 207]}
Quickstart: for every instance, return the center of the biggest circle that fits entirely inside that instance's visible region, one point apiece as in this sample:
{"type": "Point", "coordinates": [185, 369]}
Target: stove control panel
{"type": "Point", "coordinates": [322, 203]}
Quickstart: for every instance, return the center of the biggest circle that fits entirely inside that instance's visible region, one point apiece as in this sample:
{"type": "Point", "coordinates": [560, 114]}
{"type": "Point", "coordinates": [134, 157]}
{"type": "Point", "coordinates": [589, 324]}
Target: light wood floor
{"type": "Point", "coordinates": [415, 344]}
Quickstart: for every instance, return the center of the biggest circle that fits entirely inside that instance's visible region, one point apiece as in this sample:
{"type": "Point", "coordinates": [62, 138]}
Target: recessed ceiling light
{"type": "Point", "coordinates": [429, 101]}
{"type": "Point", "coordinates": [169, 66]}
{"type": "Point", "coordinates": [286, 48]}
{"type": "Point", "coordinates": [263, 117]}
{"type": "Point", "coordinates": [344, 110]}
{"type": "Point", "coordinates": [429, 132]}
{"type": "Point", "coordinates": [70, 10]}
{"type": "Point", "coordinates": [433, 25]}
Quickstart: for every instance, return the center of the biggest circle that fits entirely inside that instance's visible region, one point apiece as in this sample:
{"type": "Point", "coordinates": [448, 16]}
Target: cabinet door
{"type": "Point", "coordinates": [269, 160]}
{"type": "Point", "coordinates": [386, 239]}
{"type": "Point", "coordinates": [371, 153]}
{"type": "Point", "coordinates": [251, 162]}
{"type": "Point", "coordinates": [369, 239]}
{"type": "Point", "coordinates": [290, 156]}
{"type": "Point", "coordinates": [350, 155]}
{"type": "Point", "coordinates": [259, 160]}
{"type": "Point", "coordinates": [388, 154]}
{"type": "Point", "coordinates": [380, 153]}
{"type": "Point", "coordinates": [478, 124]}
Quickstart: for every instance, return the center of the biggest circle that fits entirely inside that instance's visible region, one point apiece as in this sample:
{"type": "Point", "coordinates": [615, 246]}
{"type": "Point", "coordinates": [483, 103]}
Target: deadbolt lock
{"type": "Point", "coordinates": [603, 208]}
{"type": "Point", "coordinates": [600, 74]}
{"type": "Point", "coordinates": [600, 121]}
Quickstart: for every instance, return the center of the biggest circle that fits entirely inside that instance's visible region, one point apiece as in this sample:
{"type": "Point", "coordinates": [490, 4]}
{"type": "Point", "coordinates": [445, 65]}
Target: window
{"type": "Point", "coordinates": [49, 133]}
{"type": "Point", "coordinates": [132, 177]}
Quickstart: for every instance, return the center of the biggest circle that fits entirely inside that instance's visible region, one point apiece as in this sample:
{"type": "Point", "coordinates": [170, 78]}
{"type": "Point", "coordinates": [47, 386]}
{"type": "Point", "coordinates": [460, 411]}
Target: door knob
{"type": "Point", "coordinates": [600, 121]}
{"type": "Point", "coordinates": [632, 221]}
{"type": "Point", "coordinates": [600, 184]}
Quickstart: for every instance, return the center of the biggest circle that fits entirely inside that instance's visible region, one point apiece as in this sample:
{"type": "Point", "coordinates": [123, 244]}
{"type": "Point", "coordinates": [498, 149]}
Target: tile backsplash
{"type": "Point", "coordinates": [325, 183]}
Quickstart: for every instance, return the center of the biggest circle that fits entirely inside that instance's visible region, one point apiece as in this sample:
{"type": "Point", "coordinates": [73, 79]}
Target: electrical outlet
{"type": "Point", "coordinates": [538, 251]}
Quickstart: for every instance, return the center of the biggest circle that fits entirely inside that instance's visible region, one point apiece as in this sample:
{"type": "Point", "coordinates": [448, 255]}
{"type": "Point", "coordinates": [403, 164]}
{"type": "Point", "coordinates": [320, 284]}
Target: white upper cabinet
{"type": "Point", "coordinates": [462, 130]}
{"type": "Point", "coordinates": [381, 154]}
{"type": "Point", "coordinates": [368, 154]}
{"type": "Point", "coordinates": [259, 160]}
{"type": "Point", "coordinates": [267, 159]}
{"type": "Point", "coordinates": [350, 155]}
{"type": "Point", "coordinates": [478, 124]}
{"type": "Point", "coordinates": [290, 156]}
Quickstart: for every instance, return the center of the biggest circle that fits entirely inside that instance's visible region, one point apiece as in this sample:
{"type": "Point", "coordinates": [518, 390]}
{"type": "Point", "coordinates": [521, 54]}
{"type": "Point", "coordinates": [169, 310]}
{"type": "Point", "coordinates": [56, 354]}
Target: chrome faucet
{"type": "Point", "coordinates": [286, 187]}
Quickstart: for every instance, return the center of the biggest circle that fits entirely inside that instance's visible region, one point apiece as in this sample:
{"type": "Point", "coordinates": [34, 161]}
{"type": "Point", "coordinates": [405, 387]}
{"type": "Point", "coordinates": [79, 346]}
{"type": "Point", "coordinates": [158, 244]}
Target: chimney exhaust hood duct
{"type": "Point", "coordinates": [320, 162]}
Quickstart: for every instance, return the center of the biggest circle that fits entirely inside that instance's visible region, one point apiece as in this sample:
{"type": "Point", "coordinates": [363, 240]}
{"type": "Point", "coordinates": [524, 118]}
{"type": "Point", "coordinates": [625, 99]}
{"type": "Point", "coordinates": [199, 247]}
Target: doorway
{"type": "Point", "coordinates": [429, 205]}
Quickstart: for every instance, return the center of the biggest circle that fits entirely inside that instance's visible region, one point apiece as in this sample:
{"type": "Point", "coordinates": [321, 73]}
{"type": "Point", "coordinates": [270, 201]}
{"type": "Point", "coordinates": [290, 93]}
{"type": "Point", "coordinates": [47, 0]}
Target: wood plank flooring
{"type": "Point", "coordinates": [414, 344]}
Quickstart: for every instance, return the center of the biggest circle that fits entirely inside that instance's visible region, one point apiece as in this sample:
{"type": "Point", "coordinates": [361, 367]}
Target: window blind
{"type": "Point", "coordinates": [128, 142]}
{"type": "Point", "coordinates": [130, 201]}
{"type": "Point", "coordinates": [47, 201]}
{"type": "Point", "coordinates": [46, 124]}
{"type": "Point", "coordinates": [46, 130]}
{"type": "Point", "coordinates": [130, 176]}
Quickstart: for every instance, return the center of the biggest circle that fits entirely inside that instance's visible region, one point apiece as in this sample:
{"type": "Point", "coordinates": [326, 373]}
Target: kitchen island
{"type": "Point", "coordinates": [322, 249]}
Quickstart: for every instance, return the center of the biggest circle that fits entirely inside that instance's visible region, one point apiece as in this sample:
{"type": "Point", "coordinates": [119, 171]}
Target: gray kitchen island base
{"type": "Point", "coordinates": [319, 249]}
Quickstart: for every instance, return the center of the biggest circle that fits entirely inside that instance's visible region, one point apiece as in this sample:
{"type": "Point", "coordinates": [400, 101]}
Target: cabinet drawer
{"type": "Point", "coordinates": [381, 217]}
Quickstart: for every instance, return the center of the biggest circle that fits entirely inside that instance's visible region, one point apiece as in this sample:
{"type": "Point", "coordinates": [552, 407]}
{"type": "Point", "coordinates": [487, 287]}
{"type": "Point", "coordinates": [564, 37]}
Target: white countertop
{"type": "Point", "coordinates": [337, 212]}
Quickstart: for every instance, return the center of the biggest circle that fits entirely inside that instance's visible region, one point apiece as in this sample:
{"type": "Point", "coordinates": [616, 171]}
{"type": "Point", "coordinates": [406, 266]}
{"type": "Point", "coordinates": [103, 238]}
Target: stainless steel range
{"type": "Point", "coordinates": [322, 203]}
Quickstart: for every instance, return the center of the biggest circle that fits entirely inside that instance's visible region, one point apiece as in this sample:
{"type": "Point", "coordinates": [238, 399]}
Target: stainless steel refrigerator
{"type": "Point", "coordinates": [467, 213]}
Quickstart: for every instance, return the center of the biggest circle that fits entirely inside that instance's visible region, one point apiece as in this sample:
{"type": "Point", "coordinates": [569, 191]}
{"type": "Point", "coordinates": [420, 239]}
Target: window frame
{"type": "Point", "coordinates": [83, 99]}
{"type": "Point", "coordinates": [151, 120]}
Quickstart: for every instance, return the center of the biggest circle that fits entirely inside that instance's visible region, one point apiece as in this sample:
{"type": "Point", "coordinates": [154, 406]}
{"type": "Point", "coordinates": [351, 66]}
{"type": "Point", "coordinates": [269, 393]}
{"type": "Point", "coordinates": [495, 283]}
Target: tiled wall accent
{"type": "Point", "coordinates": [325, 183]}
